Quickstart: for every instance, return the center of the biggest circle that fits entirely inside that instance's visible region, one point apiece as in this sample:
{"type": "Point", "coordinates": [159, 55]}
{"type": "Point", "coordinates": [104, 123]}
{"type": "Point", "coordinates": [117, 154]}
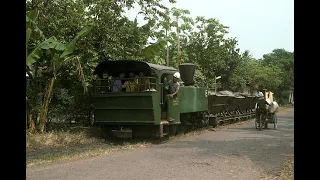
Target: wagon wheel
{"type": "Point", "coordinates": [275, 121]}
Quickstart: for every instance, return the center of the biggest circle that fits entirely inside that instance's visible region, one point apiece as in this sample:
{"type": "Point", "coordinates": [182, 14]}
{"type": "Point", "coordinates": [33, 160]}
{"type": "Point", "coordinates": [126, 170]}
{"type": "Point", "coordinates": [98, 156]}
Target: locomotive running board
{"type": "Point", "coordinates": [122, 133]}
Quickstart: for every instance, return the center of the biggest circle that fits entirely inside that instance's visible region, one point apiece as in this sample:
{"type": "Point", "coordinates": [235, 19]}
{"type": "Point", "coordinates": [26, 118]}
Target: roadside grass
{"type": "Point", "coordinates": [287, 169]}
{"type": "Point", "coordinates": [73, 136]}
{"type": "Point", "coordinates": [73, 153]}
{"type": "Point", "coordinates": [74, 143]}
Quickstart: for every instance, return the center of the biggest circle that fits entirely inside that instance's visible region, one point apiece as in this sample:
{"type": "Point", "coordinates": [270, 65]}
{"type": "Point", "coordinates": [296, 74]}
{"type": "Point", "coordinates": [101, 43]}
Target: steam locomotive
{"type": "Point", "coordinates": [149, 112]}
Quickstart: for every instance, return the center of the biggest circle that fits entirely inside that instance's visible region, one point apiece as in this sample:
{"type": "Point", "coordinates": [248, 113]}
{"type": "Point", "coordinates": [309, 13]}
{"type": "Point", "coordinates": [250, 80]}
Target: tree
{"type": "Point", "coordinates": [283, 60]}
{"type": "Point", "coordinates": [168, 34]}
{"type": "Point", "coordinates": [112, 36]}
{"type": "Point", "coordinates": [213, 54]}
{"type": "Point", "coordinates": [167, 28]}
{"type": "Point", "coordinates": [252, 72]}
{"type": "Point", "coordinates": [52, 46]}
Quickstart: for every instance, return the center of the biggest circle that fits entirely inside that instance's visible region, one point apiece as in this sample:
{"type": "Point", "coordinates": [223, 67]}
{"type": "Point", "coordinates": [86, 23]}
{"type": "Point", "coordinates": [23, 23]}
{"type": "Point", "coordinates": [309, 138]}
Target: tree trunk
{"type": "Point", "coordinates": [32, 126]}
{"type": "Point", "coordinates": [45, 105]}
{"type": "Point", "coordinates": [34, 86]}
{"type": "Point", "coordinates": [31, 121]}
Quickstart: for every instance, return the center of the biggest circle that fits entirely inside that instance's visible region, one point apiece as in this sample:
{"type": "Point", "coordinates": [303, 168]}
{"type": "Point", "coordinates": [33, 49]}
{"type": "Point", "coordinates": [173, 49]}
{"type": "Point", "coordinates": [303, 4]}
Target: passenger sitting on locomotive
{"type": "Point", "coordinates": [131, 85]}
{"type": "Point", "coordinates": [117, 83]}
{"type": "Point", "coordinates": [143, 82]}
{"type": "Point", "coordinates": [261, 105]}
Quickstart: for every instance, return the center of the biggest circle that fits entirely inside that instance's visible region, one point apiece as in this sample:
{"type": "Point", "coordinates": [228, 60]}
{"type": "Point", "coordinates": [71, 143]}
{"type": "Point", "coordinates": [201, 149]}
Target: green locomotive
{"type": "Point", "coordinates": [146, 110]}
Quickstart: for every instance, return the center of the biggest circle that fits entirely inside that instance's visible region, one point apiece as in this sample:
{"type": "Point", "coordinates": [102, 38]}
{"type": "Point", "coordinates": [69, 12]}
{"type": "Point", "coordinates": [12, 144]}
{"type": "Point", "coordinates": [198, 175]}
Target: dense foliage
{"type": "Point", "coordinates": [66, 39]}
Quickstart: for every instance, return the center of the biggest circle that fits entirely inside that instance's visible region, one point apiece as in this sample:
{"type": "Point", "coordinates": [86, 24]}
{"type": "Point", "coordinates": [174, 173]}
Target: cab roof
{"type": "Point", "coordinates": [113, 68]}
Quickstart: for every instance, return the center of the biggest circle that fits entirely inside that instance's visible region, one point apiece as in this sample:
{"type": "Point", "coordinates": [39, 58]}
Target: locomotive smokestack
{"type": "Point", "coordinates": [187, 71]}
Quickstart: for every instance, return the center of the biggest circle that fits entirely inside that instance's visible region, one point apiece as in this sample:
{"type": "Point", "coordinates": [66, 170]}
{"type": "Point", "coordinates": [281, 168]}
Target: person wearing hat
{"type": "Point", "coordinates": [175, 85]}
{"type": "Point", "coordinates": [172, 87]}
{"type": "Point", "coordinates": [261, 105]}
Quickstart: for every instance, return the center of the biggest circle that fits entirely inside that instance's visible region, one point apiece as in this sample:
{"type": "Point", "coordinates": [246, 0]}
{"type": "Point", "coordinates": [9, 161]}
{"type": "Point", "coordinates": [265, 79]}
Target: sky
{"type": "Point", "coordinates": [259, 25]}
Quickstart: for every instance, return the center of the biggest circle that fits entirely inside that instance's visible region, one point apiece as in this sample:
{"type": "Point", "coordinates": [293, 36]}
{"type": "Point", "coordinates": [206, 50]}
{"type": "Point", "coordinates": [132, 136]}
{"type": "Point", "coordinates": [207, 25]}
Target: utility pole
{"type": "Point", "coordinates": [178, 30]}
{"type": "Point", "coordinates": [215, 84]}
{"type": "Point", "coordinates": [167, 48]}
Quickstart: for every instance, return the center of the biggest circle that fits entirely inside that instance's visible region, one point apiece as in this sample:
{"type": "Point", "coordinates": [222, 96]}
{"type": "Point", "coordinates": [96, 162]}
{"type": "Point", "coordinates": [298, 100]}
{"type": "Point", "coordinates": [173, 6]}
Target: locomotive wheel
{"type": "Point", "coordinates": [177, 129]}
{"type": "Point", "coordinates": [106, 133]}
{"type": "Point", "coordinates": [173, 130]}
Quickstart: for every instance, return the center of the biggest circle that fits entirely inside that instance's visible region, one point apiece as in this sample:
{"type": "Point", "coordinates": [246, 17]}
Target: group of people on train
{"type": "Point", "coordinates": [132, 83]}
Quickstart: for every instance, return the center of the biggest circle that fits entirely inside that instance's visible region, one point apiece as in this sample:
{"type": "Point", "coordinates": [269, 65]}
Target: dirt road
{"type": "Point", "coordinates": [237, 152]}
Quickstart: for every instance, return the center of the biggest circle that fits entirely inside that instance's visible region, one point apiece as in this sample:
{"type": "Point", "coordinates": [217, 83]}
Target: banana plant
{"type": "Point", "coordinates": [50, 43]}
{"type": "Point", "coordinates": [153, 49]}
{"type": "Point", "coordinates": [64, 52]}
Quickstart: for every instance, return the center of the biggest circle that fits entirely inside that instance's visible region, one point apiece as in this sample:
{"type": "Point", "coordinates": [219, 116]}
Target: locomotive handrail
{"type": "Point", "coordinates": [161, 94]}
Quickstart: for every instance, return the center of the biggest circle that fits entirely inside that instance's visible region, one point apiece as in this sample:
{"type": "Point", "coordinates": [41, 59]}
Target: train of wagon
{"type": "Point", "coordinates": [147, 111]}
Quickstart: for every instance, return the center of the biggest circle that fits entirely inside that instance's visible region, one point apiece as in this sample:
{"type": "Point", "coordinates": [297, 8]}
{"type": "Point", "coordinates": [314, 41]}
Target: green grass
{"type": "Point", "coordinates": [74, 143]}
{"type": "Point", "coordinates": [61, 138]}
{"type": "Point", "coordinates": [67, 154]}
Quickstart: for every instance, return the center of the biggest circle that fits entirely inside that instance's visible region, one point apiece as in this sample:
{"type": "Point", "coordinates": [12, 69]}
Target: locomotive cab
{"type": "Point", "coordinates": [124, 101]}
